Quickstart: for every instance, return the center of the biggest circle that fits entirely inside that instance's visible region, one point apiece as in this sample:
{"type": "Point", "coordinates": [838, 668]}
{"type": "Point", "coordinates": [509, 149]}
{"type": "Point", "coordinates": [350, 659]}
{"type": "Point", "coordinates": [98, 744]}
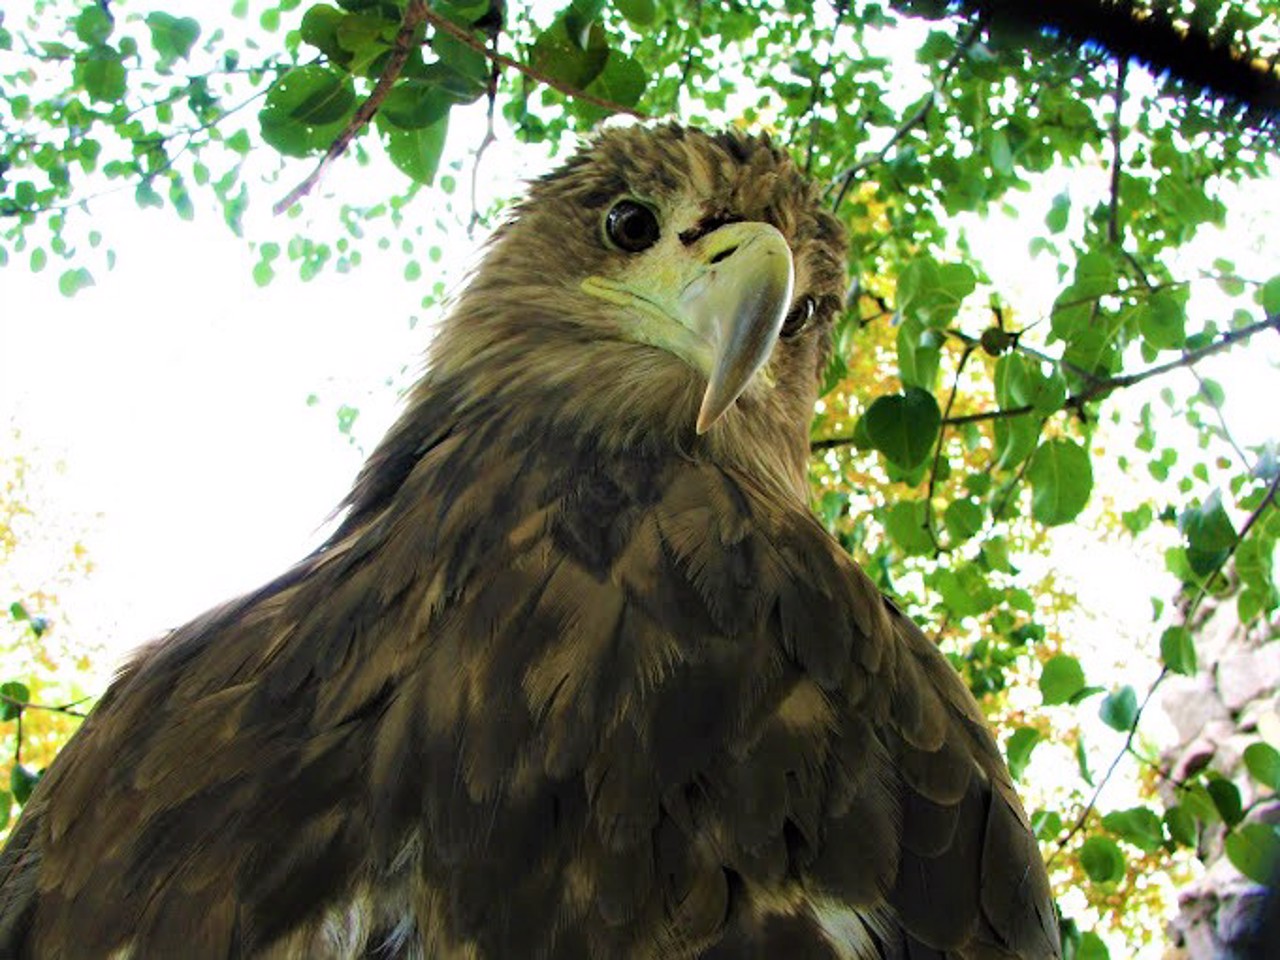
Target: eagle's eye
{"type": "Point", "coordinates": [631, 226]}
{"type": "Point", "coordinates": [799, 317]}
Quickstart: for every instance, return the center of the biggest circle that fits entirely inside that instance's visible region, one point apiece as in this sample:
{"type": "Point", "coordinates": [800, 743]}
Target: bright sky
{"type": "Point", "coordinates": [175, 391]}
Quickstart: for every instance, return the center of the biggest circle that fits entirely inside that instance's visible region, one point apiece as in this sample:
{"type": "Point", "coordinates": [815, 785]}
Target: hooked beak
{"type": "Point", "coordinates": [718, 304]}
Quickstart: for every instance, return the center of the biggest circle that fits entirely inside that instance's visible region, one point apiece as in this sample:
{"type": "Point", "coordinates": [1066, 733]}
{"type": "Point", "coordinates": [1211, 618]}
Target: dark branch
{"type": "Point", "coordinates": [918, 116]}
{"type": "Point", "coordinates": [1113, 213]}
{"type": "Point", "coordinates": [465, 36]}
{"type": "Point", "coordinates": [1100, 387]}
{"type": "Point", "coordinates": [414, 14]}
{"type": "Point", "coordinates": [68, 709]}
{"type": "Point", "coordinates": [815, 95]}
{"type": "Point", "coordinates": [937, 452]}
{"type": "Point", "coordinates": [1254, 516]}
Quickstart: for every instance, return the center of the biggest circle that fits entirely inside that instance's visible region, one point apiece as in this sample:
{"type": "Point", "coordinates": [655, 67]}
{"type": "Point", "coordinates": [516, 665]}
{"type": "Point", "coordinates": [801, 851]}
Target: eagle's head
{"type": "Point", "coordinates": [664, 288]}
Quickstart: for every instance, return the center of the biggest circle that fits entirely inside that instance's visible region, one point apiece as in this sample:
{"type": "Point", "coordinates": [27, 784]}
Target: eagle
{"type": "Point", "coordinates": [578, 674]}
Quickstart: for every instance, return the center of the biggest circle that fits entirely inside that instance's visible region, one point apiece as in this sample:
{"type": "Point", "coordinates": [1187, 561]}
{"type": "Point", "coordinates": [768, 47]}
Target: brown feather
{"type": "Point", "coordinates": [568, 681]}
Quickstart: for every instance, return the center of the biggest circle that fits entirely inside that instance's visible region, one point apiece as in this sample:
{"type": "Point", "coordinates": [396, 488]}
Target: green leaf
{"type": "Point", "coordinates": [93, 25]}
{"type": "Point", "coordinates": [346, 418]}
{"type": "Point", "coordinates": [1270, 296]}
{"type": "Point", "coordinates": [1209, 533]}
{"type": "Point", "coordinates": [6, 801]}
{"type": "Point", "coordinates": [1198, 802]}
{"type": "Point", "coordinates": [1047, 824]}
{"type": "Point", "coordinates": [74, 280]}
{"type": "Point", "coordinates": [1263, 761]}
{"type": "Point", "coordinates": [1015, 439]}
{"type": "Point", "coordinates": [416, 153]}
{"type": "Point", "coordinates": [1253, 850]}
{"type": "Point", "coordinates": [466, 68]}
{"type": "Point", "coordinates": [1095, 274]}
{"type": "Point", "coordinates": [999, 152]}
{"type": "Point", "coordinates": [101, 75]}
{"type": "Point", "coordinates": [905, 524]}
{"type": "Point", "coordinates": [580, 17]}
{"type": "Point", "coordinates": [1162, 320]}
{"type": "Point", "coordinates": [172, 37]}
{"type": "Point", "coordinates": [1018, 750]}
{"type": "Point", "coordinates": [12, 696]}
{"type": "Point", "coordinates": [1082, 761]}
{"type": "Point", "coordinates": [932, 292]}
{"type": "Point", "coordinates": [622, 81]}
{"type": "Point", "coordinates": [1061, 678]}
{"type": "Point", "coordinates": [22, 780]}
{"type": "Point", "coordinates": [1059, 212]}
{"type": "Point", "coordinates": [313, 95]}
{"type": "Point", "coordinates": [640, 13]}
{"type": "Point", "coordinates": [320, 25]}
{"type": "Point", "coordinates": [1226, 798]}
{"type": "Point", "coordinates": [1139, 826]}
{"type": "Point", "coordinates": [963, 519]}
{"type": "Point", "coordinates": [1119, 710]}
{"type": "Point", "coordinates": [904, 426]}
{"type": "Point", "coordinates": [1021, 382]}
{"type": "Point", "coordinates": [1102, 860]}
{"type": "Point", "coordinates": [306, 109]}
{"type": "Point", "coordinates": [1061, 480]}
{"type": "Point", "coordinates": [1181, 825]}
{"type": "Point", "coordinates": [1092, 947]}
{"type": "Point", "coordinates": [1178, 650]}
{"type": "Point", "coordinates": [561, 57]}
{"type": "Point", "coordinates": [463, 12]}
{"type": "Point", "coordinates": [414, 104]}
{"type": "Point", "coordinates": [919, 351]}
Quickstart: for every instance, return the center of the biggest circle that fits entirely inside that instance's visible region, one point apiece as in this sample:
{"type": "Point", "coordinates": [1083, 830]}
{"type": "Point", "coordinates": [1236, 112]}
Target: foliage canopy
{"type": "Point", "coordinates": [961, 419]}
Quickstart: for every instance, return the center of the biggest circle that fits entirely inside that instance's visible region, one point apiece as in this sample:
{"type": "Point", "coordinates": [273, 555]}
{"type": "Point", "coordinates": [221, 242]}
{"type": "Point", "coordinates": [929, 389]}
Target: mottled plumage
{"type": "Point", "coordinates": [571, 679]}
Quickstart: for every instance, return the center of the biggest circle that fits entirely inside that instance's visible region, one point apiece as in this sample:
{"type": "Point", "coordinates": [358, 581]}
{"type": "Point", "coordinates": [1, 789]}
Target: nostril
{"type": "Point", "coordinates": [724, 254]}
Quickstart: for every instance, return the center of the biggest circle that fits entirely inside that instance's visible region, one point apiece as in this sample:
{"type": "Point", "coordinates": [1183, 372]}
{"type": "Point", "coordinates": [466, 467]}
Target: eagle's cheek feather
{"type": "Point", "coordinates": [716, 302]}
{"type": "Point", "coordinates": [578, 675]}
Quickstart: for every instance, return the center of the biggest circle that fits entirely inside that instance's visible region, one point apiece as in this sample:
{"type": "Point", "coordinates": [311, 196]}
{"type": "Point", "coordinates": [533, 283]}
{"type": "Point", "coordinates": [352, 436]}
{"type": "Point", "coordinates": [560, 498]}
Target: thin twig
{"type": "Point", "coordinates": [464, 36]}
{"type": "Point", "coordinates": [815, 96]}
{"type": "Point", "coordinates": [489, 138]}
{"type": "Point", "coordinates": [1113, 215]}
{"type": "Point", "coordinates": [918, 116]}
{"type": "Point", "coordinates": [695, 31]}
{"type": "Point", "coordinates": [1222, 420]}
{"type": "Point", "coordinates": [998, 509]}
{"type": "Point", "coordinates": [65, 708]}
{"type": "Point", "coordinates": [1100, 387]}
{"type": "Point", "coordinates": [1253, 518]}
{"type": "Point", "coordinates": [1106, 777]}
{"type": "Point", "coordinates": [414, 14]}
{"type": "Point", "coordinates": [937, 452]}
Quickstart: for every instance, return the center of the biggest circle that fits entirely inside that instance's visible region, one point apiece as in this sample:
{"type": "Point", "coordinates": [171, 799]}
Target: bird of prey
{"type": "Point", "coordinates": [578, 675]}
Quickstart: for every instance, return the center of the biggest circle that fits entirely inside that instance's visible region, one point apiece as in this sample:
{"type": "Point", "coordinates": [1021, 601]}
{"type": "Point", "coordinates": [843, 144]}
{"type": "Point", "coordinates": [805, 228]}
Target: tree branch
{"type": "Point", "coordinates": [1254, 516]}
{"type": "Point", "coordinates": [66, 708]}
{"type": "Point", "coordinates": [414, 14]}
{"type": "Point", "coordinates": [815, 97]}
{"type": "Point", "coordinates": [845, 179]}
{"type": "Point", "coordinates": [1106, 777]}
{"type": "Point", "coordinates": [1113, 213]}
{"type": "Point", "coordinates": [937, 452]}
{"type": "Point", "coordinates": [464, 36]}
{"type": "Point", "coordinates": [1099, 387]}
